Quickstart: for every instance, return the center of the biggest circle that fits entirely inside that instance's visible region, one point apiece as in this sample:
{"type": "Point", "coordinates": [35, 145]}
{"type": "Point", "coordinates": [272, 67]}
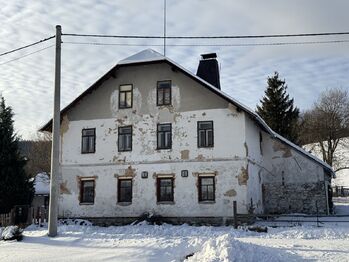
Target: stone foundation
{"type": "Point", "coordinates": [281, 198]}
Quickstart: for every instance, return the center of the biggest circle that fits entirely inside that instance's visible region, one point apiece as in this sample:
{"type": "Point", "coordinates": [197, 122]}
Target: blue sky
{"type": "Point", "coordinates": [27, 84]}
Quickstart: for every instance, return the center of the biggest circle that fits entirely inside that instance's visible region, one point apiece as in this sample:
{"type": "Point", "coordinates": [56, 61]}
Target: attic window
{"type": "Point", "coordinates": [163, 93]}
{"type": "Point", "coordinates": [125, 96]}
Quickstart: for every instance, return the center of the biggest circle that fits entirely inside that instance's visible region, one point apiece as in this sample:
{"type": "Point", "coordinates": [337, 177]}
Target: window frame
{"type": "Point", "coordinates": [119, 128]}
{"type": "Point", "coordinates": [157, 136]}
{"type": "Point", "coordinates": [158, 190]}
{"type": "Point", "coordinates": [126, 107]}
{"type": "Point", "coordinates": [82, 181]}
{"type": "Point", "coordinates": [82, 139]}
{"type": "Point", "coordinates": [198, 133]}
{"type": "Point", "coordinates": [120, 180]}
{"type": "Point", "coordinates": [163, 96]}
{"type": "Point", "coordinates": [207, 200]}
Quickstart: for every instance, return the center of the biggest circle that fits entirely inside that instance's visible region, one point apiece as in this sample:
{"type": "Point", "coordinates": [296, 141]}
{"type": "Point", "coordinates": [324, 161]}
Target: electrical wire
{"type": "Point", "coordinates": [23, 56]}
{"type": "Point", "coordinates": [26, 46]}
{"type": "Point", "coordinates": [211, 37]}
{"type": "Point", "coordinates": [218, 45]}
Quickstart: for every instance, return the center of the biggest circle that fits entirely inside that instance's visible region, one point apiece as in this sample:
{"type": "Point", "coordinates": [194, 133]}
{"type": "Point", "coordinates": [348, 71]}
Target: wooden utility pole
{"type": "Point", "coordinates": [55, 167]}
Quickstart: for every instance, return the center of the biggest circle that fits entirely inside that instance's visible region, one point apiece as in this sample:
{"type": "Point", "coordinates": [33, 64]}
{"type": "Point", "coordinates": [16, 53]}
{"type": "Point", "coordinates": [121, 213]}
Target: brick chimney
{"type": "Point", "coordinates": [208, 69]}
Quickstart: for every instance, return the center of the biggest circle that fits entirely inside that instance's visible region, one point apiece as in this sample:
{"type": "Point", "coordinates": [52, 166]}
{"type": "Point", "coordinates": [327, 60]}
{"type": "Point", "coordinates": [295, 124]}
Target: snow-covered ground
{"type": "Point", "coordinates": [329, 242]}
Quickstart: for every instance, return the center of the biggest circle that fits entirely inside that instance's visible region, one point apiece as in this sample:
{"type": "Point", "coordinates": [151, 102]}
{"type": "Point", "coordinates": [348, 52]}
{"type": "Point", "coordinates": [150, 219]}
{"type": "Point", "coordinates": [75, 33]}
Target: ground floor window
{"type": "Point", "coordinates": [165, 189]}
{"type": "Point", "coordinates": [206, 188]}
{"type": "Point", "coordinates": [125, 190]}
{"type": "Point", "coordinates": [87, 191]}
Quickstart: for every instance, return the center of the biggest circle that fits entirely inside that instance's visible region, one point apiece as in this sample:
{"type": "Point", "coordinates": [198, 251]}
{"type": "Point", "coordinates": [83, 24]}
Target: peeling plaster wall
{"type": "Point", "coordinates": [291, 181]}
{"type": "Point", "coordinates": [190, 103]}
{"type": "Point", "coordinates": [255, 161]}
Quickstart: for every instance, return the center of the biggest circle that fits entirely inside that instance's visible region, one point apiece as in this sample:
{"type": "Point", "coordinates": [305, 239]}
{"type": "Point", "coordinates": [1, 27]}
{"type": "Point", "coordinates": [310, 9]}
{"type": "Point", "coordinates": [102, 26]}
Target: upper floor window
{"type": "Point", "coordinates": [206, 188]}
{"type": "Point", "coordinates": [125, 190]}
{"type": "Point", "coordinates": [164, 136]}
{"type": "Point", "coordinates": [125, 138]}
{"type": "Point", "coordinates": [125, 96]}
{"type": "Point", "coordinates": [163, 93]}
{"type": "Point", "coordinates": [87, 191]}
{"type": "Point", "coordinates": [165, 189]}
{"type": "Point", "coordinates": [205, 133]}
{"type": "Point", "coordinates": [88, 140]}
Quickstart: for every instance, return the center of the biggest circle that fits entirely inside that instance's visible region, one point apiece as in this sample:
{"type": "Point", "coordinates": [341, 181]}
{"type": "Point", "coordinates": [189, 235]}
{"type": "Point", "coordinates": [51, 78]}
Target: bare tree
{"type": "Point", "coordinates": [326, 125]}
{"type": "Point", "coordinates": [38, 154]}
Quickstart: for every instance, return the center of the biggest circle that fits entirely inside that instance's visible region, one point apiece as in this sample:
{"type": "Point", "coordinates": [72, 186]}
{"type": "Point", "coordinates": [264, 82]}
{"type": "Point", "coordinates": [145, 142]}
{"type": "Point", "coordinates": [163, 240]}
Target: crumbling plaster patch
{"type": "Point", "coordinates": [185, 154]}
{"type": "Point", "coordinates": [63, 188]}
{"type": "Point", "coordinates": [286, 150]}
{"type": "Point", "coordinates": [243, 176]}
{"type": "Point", "coordinates": [230, 193]}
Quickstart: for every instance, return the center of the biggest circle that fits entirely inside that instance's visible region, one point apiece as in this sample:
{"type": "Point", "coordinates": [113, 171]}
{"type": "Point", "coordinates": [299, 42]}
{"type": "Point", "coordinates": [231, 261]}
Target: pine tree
{"type": "Point", "coordinates": [277, 109]}
{"type": "Point", "coordinates": [15, 186]}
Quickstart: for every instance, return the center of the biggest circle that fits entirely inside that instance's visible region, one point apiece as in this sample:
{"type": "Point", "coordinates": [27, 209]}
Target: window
{"type": "Point", "coordinates": [205, 134]}
{"type": "Point", "coordinates": [164, 136]}
{"type": "Point", "coordinates": [163, 93]}
{"type": "Point", "coordinates": [87, 191]}
{"type": "Point", "coordinates": [125, 96]}
{"type": "Point", "coordinates": [206, 188]}
{"type": "Point", "coordinates": [165, 189]}
{"type": "Point", "coordinates": [88, 141]}
{"type": "Point", "coordinates": [125, 190]}
{"type": "Point", "coordinates": [125, 138]}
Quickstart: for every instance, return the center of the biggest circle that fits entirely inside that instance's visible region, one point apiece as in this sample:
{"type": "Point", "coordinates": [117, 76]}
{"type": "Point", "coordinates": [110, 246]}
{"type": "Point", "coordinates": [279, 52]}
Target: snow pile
{"type": "Point", "coordinates": [42, 184]}
{"type": "Point", "coordinates": [12, 233]}
{"type": "Point", "coordinates": [309, 233]}
{"type": "Point", "coordinates": [226, 248]}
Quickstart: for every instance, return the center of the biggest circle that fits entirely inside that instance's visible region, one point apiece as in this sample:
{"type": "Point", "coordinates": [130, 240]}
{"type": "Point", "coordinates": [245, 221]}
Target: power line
{"type": "Point", "coordinates": [218, 45]}
{"type": "Point", "coordinates": [211, 37]}
{"type": "Point", "coordinates": [23, 47]}
{"type": "Point", "coordinates": [18, 58]}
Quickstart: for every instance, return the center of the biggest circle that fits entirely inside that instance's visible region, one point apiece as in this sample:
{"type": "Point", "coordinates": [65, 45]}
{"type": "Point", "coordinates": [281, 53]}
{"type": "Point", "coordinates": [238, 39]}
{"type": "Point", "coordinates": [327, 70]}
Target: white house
{"type": "Point", "coordinates": [150, 136]}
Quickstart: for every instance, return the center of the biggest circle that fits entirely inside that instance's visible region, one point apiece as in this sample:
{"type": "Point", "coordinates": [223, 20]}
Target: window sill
{"type": "Point", "coordinates": [207, 202]}
{"type": "Point", "coordinates": [85, 153]}
{"type": "Point", "coordinates": [165, 203]}
{"type": "Point", "coordinates": [124, 203]}
{"type": "Point", "coordinates": [86, 204]}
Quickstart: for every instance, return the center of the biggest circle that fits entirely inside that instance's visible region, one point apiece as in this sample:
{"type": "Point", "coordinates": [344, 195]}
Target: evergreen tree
{"type": "Point", "coordinates": [277, 109]}
{"type": "Point", "coordinates": [15, 186]}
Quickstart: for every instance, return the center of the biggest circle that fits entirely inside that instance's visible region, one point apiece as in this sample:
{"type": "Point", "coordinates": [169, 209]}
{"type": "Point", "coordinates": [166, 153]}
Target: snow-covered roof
{"type": "Point", "coordinates": [42, 184]}
{"type": "Point", "coordinates": [150, 55]}
{"type": "Point", "coordinates": [146, 55]}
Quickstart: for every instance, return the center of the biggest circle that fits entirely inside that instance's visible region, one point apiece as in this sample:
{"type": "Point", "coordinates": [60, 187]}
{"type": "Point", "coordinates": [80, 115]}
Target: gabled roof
{"type": "Point", "coordinates": [149, 56]}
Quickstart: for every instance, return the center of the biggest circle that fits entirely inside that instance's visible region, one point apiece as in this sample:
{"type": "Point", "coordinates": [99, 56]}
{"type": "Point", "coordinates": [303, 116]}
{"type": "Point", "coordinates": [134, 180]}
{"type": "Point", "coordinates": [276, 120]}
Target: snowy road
{"type": "Point", "coordinates": [174, 243]}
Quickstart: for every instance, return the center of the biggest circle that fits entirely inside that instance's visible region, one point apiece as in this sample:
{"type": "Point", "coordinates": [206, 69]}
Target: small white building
{"type": "Point", "coordinates": [42, 191]}
{"type": "Point", "coordinates": [150, 136]}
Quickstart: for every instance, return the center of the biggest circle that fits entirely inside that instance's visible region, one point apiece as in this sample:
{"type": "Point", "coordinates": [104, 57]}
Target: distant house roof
{"type": "Point", "coordinates": [42, 184]}
{"type": "Point", "coordinates": [149, 56]}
